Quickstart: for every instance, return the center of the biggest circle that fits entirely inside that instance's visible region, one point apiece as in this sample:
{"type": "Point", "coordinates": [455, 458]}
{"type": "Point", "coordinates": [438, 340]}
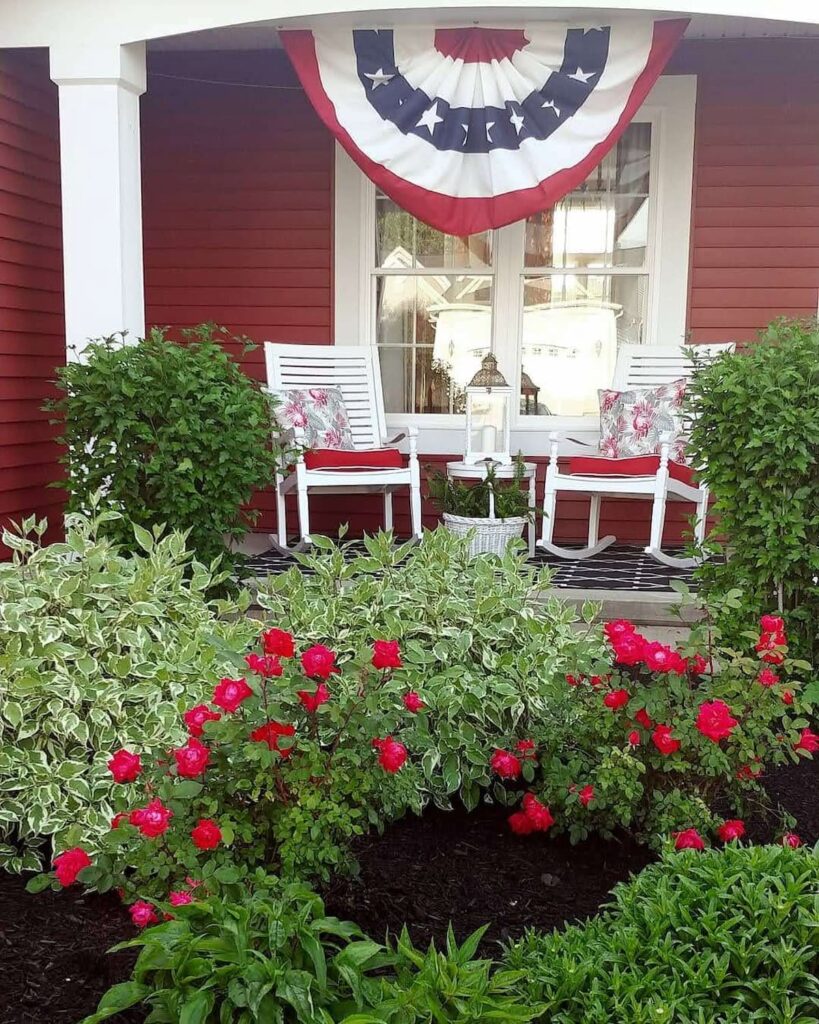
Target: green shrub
{"type": "Point", "coordinates": [479, 642]}
{"type": "Point", "coordinates": [97, 649]}
{"type": "Point", "coordinates": [270, 955]}
{"type": "Point", "coordinates": [171, 433]}
{"type": "Point", "coordinates": [700, 938]}
{"type": "Point", "coordinates": [473, 499]}
{"type": "Point", "coordinates": [757, 431]}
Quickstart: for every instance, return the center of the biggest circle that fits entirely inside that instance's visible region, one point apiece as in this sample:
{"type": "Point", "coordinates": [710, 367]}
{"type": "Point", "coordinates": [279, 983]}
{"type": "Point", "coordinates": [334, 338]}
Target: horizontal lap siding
{"type": "Point", "coordinates": [32, 340]}
{"type": "Point", "coordinates": [755, 239]}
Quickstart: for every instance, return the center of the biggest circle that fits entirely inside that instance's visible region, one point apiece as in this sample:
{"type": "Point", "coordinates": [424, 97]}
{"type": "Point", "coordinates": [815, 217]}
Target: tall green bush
{"type": "Point", "coordinates": [757, 431]}
{"type": "Point", "coordinates": [98, 649]}
{"type": "Point", "coordinates": [700, 938]}
{"type": "Point", "coordinates": [172, 433]}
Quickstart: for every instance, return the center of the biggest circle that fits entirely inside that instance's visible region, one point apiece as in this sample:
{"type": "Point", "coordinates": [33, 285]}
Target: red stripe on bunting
{"type": "Point", "coordinates": [467, 216]}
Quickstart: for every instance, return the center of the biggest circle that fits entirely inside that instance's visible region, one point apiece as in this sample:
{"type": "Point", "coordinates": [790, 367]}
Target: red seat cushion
{"type": "Point", "coordinates": [637, 465]}
{"type": "Point", "coordinates": [340, 458]}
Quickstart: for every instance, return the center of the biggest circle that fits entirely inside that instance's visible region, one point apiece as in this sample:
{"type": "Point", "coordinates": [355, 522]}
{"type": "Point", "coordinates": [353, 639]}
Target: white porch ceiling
{"type": "Point", "coordinates": [263, 34]}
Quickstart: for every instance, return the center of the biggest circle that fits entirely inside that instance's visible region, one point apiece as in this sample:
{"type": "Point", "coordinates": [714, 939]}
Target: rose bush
{"type": "Point", "coordinates": [650, 743]}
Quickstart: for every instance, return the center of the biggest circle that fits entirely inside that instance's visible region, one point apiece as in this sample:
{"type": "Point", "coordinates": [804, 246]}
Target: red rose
{"type": "Point", "coordinates": [118, 819]}
{"type": "Point", "coordinates": [521, 824]}
{"type": "Point", "coordinates": [688, 839]}
{"type": "Point", "coordinates": [634, 738]}
{"type": "Point", "coordinates": [386, 654]}
{"type": "Point", "coordinates": [180, 898]}
{"type": "Point", "coordinates": [746, 772]}
{"type": "Point", "coordinates": [661, 658]}
{"type": "Point", "coordinates": [412, 702]}
{"type": "Point", "coordinates": [526, 749]}
{"type": "Point", "coordinates": [313, 701]}
{"type": "Point", "coordinates": [787, 697]}
{"type": "Point", "coordinates": [392, 754]}
{"type": "Point", "coordinates": [319, 662]}
{"type": "Point", "coordinates": [641, 718]}
{"type": "Point", "coordinates": [616, 699]}
{"type": "Point", "coordinates": [270, 733]}
{"type": "Point", "coordinates": [574, 680]}
{"type": "Point", "coordinates": [598, 680]}
{"type": "Point", "coordinates": [767, 677]}
{"type": "Point", "coordinates": [207, 835]}
{"type": "Point", "coordinates": [791, 839]}
{"type": "Point", "coordinates": [730, 830]}
{"type": "Point", "coordinates": [808, 740]}
{"type": "Point", "coordinates": [629, 649]}
{"type": "Point", "coordinates": [230, 693]}
{"type": "Point", "coordinates": [618, 628]}
{"type": "Point", "coordinates": [505, 765]}
{"type": "Point", "coordinates": [698, 665]}
{"type": "Point", "coordinates": [69, 863]}
{"type": "Point", "coordinates": [538, 813]}
{"type": "Point", "coordinates": [772, 624]}
{"type": "Point", "coordinates": [770, 647]}
{"type": "Point", "coordinates": [195, 718]}
{"type": "Point", "coordinates": [192, 759]}
{"type": "Point", "coordinates": [663, 741]}
{"type": "Point", "coordinates": [586, 795]}
{"type": "Point", "coordinates": [266, 665]}
{"type": "Point", "coordinates": [279, 643]}
{"type": "Point", "coordinates": [125, 766]}
{"type": "Point", "coordinates": [714, 720]}
{"type": "Point", "coordinates": [153, 820]}
{"type": "Point", "coordinates": [142, 914]}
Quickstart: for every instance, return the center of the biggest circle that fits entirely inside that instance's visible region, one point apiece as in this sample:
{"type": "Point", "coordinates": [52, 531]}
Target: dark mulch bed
{"type": "Point", "coordinates": [425, 872]}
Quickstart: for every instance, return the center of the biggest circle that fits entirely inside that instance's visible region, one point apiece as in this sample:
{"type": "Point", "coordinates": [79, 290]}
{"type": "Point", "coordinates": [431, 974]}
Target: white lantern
{"type": "Point", "coordinates": [488, 415]}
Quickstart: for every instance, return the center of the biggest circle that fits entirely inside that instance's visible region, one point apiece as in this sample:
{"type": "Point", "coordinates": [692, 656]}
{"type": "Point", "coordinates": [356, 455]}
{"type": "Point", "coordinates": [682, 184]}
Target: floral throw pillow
{"type": "Point", "coordinates": [632, 422]}
{"type": "Point", "coordinates": [320, 413]}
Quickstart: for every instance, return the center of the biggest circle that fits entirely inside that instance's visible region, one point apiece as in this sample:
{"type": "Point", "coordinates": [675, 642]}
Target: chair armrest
{"type": "Point", "coordinates": [410, 434]}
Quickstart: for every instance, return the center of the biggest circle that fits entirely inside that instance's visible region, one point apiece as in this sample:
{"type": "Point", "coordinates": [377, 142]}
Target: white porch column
{"type": "Point", "coordinates": [99, 90]}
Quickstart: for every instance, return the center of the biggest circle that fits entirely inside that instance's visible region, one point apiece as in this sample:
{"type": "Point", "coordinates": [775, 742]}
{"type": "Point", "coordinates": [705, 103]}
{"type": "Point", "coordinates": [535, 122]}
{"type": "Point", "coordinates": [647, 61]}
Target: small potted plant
{"type": "Point", "coordinates": [491, 511]}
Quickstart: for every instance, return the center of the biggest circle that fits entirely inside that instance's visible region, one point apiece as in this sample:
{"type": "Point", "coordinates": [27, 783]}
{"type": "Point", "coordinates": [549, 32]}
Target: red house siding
{"type": "Point", "coordinates": [32, 340]}
{"type": "Point", "coordinates": [238, 214]}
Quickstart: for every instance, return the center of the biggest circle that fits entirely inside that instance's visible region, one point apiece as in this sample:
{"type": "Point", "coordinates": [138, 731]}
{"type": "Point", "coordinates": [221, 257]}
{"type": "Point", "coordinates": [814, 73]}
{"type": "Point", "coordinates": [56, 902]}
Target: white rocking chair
{"type": "Point", "coordinates": [354, 370]}
{"type": "Point", "coordinates": [642, 476]}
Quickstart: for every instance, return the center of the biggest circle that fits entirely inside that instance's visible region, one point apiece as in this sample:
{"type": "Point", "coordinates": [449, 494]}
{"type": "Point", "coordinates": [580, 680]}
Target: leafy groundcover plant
{"type": "Point", "coordinates": [726, 937]}
{"type": "Point", "coordinates": [171, 432]}
{"type": "Point", "coordinates": [757, 431]}
{"type": "Point", "coordinates": [97, 649]}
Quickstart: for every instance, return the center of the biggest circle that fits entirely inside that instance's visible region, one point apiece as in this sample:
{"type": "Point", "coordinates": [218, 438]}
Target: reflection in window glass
{"type": "Point", "coordinates": [404, 242]}
{"type": "Point", "coordinates": [603, 223]}
{"type": "Point", "coordinates": [572, 328]}
{"type": "Point", "coordinates": [432, 331]}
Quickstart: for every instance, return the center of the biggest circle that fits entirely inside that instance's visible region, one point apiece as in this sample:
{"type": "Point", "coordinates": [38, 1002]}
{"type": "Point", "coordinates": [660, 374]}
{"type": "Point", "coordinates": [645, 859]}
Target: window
{"type": "Point", "coordinates": [554, 297]}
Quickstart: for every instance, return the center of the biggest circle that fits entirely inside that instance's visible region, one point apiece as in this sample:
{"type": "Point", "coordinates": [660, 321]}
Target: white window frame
{"type": "Point", "coordinates": [670, 108]}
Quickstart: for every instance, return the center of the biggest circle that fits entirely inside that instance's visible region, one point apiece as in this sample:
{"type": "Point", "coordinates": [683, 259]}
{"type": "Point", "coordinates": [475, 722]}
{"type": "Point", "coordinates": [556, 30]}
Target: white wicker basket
{"type": "Point", "coordinates": [490, 535]}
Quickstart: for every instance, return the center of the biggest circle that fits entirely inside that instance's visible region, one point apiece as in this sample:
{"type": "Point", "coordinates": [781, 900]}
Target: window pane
{"type": "Point", "coordinates": [403, 241]}
{"type": "Point", "coordinates": [572, 328]}
{"type": "Point", "coordinates": [432, 332]}
{"type": "Point", "coordinates": [604, 222]}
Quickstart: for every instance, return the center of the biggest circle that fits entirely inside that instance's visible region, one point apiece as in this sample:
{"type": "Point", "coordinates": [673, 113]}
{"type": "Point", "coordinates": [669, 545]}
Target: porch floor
{"type": "Point", "coordinates": [622, 569]}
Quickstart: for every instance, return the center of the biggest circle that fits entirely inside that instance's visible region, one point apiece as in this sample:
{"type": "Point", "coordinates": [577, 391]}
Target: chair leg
{"type": "Point", "coordinates": [281, 513]}
{"type": "Point", "coordinates": [594, 520]}
{"type": "Point", "coordinates": [388, 510]}
{"type": "Point", "coordinates": [415, 496]}
{"type": "Point", "coordinates": [304, 513]}
{"type": "Point", "coordinates": [701, 524]}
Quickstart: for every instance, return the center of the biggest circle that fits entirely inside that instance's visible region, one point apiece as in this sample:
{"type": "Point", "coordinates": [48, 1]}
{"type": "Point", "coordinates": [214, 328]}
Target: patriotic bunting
{"type": "Point", "coordinates": [473, 128]}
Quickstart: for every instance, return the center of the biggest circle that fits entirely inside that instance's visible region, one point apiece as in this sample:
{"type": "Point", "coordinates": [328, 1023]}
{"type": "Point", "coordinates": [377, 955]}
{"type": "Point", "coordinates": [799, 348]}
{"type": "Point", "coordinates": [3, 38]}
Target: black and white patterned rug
{"type": "Point", "coordinates": [616, 568]}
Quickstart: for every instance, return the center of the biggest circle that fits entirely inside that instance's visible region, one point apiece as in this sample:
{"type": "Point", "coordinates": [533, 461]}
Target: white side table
{"type": "Point", "coordinates": [477, 471]}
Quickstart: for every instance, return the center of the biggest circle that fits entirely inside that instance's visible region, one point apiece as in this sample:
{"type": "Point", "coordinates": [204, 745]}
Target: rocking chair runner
{"type": "Point", "coordinates": [374, 465]}
{"type": "Point", "coordinates": [642, 476]}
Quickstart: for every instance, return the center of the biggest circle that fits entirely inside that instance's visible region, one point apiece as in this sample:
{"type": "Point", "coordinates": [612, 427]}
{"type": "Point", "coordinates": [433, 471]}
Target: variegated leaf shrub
{"type": "Point", "coordinates": [98, 649]}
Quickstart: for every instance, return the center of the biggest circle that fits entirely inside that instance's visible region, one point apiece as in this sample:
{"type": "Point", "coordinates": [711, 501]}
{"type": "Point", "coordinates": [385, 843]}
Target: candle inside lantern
{"type": "Point", "coordinates": [489, 436]}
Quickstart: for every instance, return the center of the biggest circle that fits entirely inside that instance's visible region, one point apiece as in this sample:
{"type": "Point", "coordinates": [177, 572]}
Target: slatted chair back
{"type": "Point", "coordinates": [353, 369]}
{"type": "Point", "coordinates": [648, 366]}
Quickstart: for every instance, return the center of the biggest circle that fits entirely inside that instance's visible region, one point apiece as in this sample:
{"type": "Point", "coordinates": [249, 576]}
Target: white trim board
{"type": "Point", "coordinates": [670, 108]}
